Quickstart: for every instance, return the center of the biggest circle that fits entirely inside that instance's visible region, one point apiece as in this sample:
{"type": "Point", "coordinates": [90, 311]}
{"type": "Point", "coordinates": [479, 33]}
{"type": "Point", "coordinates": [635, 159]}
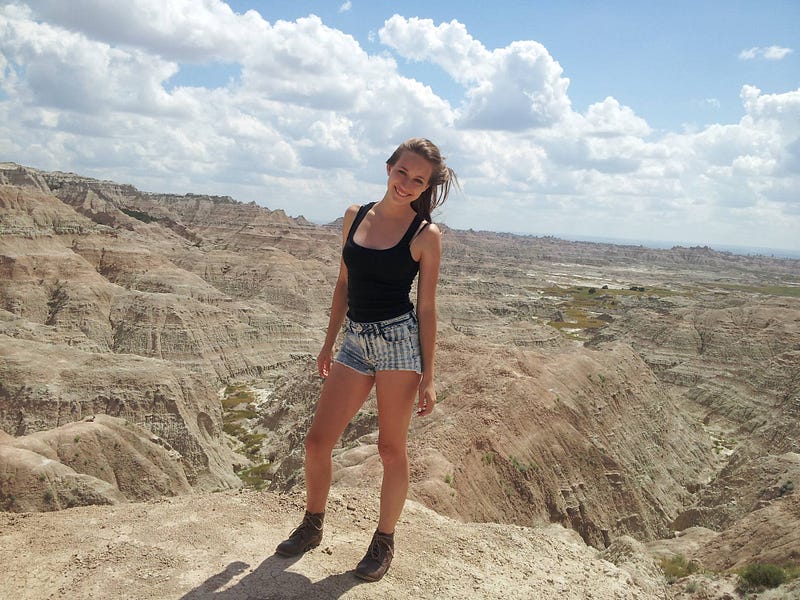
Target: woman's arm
{"type": "Point", "coordinates": [429, 243]}
{"type": "Point", "coordinates": [338, 304]}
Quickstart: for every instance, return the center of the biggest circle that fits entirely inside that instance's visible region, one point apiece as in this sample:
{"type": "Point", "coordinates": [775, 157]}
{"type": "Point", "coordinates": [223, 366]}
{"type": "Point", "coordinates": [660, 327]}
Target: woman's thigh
{"type": "Point", "coordinates": [396, 392]}
{"type": "Point", "coordinates": [343, 393]}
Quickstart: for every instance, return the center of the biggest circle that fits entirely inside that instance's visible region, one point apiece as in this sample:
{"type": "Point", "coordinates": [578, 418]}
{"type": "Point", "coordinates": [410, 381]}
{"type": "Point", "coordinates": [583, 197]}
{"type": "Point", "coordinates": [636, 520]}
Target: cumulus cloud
{"type": "Point", "coordinates": [310, 116]}
{"type": "Point", "coordinates": [512, 88]}
{"type": "Point", "coordinates": [765, 52]}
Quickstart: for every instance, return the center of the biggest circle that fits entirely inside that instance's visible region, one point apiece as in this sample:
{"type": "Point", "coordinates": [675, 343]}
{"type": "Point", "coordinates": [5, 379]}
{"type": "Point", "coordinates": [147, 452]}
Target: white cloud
{"type": "Point", "coordinates": [188, 30]}
{"type": "Point", "coordinates": [511, 88]}
{"type": "Point", "coordinates": [346, 6]}
{"type": "Point", "coordinates": [313, 116]}
{"type": "Point", "coordinates": [765, 52]}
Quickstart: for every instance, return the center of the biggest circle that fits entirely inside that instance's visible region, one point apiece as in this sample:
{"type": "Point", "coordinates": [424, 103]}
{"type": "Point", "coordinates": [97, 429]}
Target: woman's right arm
{"type": "Point", "coordinates": [339, 303]}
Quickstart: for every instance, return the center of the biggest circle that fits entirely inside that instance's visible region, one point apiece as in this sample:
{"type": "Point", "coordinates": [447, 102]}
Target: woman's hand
{"type": "Point", "coordinates": [427, 397]}
{"type": "Point", "coordinates": [324, 359]}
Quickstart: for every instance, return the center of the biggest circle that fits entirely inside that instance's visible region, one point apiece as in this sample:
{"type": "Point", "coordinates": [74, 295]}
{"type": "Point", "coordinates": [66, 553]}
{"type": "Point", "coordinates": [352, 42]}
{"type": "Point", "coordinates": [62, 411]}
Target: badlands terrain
{"type": "Point", "coordinates": [605, 412]}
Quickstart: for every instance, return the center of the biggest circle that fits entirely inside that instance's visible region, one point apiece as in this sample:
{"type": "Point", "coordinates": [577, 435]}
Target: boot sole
{"type": "Point", "coordinates": [368, 577]}
{"type": "Point", "coordinates": [303, 551]}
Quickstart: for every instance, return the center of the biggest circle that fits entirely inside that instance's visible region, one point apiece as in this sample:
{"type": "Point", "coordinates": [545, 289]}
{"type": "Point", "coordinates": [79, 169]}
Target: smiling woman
{"type": "Point", "coordinates": [387, 343]}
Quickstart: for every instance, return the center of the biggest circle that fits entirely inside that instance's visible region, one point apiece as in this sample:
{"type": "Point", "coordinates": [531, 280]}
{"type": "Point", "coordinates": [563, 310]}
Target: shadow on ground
{"type": "Point", "coordinates": [271, 581]}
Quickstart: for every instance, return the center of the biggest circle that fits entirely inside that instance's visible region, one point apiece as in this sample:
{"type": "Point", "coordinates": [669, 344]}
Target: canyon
{"type": "Point", "coordinates": [615, 405]}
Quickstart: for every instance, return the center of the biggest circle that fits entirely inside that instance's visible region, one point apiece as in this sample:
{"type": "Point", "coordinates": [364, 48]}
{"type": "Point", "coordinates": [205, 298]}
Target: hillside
{"type": "Point", "coordinates": [156, 348]}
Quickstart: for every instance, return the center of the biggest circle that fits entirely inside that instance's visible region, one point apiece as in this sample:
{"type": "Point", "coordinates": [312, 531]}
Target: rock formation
{"type": "Point", "coordinates": [620, 391]}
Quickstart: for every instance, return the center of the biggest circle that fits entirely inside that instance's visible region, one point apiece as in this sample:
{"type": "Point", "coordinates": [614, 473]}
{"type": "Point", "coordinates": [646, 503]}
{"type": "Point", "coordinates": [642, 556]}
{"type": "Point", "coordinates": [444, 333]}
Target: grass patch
{"type": "Point", "coordinates": [577, 318]}
{"type": "Point", "coordinates": [241, 414]}
{"type": "Point", "coordinates": [790, 291]}
{"type": "Point", "coordinates": [677, 567]}
{"type": "Point", "coordinates": [522, 466]}
{"type": "Point", "coordinates": [235, 419]}
{"type": "Point", "coordinates": [256, 477]}
{"type": "Point", "coordinates": [234, 429]}
{"type": "Point", "coordinates": [236, 398]}
{"type": "Point", "coordinates": [581, 303]}
{"type": "Point", "coordinates": [251, 444]}
{"type": "Point", "coordinates": [758, 577]}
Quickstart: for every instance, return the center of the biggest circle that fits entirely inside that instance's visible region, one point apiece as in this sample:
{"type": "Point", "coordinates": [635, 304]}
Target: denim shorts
{"type": "Point", "coordinates": [390, 345]}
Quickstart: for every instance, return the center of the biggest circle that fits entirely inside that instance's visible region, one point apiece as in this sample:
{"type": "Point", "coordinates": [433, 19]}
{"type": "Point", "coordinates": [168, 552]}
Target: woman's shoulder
{"type": "Point", "coordinates": [428, 242]}
{"type": "Point", "coordinates": [430, 230]}
{"type": "Point", "coordinates": [349, 218]}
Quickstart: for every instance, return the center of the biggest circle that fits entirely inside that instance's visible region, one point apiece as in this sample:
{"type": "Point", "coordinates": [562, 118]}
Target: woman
{"type": "Point", "coordinates": [387, 344]}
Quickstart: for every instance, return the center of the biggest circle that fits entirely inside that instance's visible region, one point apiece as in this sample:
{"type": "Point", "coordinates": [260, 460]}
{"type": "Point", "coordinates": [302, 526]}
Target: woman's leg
{"type": "Point", "coordinates": [396, 392]}
{"type": "Point", "coordinates": [343, 393]}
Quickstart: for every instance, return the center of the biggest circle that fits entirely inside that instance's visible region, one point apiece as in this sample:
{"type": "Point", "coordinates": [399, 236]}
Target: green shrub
{"type": "Point", "coordinates": [138, 215]}
{"type": "Point", "coordinates": [758, 576]}
{"type": "Point", "coordinates": [256, 477]}
{"type": "Point", "coordinates": [677, 567]}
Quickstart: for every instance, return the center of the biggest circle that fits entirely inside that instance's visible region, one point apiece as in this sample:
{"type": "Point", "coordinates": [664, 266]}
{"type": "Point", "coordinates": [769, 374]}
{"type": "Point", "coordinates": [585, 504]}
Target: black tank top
{"type": "Point", "coordinates": [379, 281]}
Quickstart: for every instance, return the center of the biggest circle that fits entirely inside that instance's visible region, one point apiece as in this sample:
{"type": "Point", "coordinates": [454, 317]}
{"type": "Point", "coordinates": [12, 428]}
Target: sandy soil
{"type": "Point", "coordinates": [220, 546]}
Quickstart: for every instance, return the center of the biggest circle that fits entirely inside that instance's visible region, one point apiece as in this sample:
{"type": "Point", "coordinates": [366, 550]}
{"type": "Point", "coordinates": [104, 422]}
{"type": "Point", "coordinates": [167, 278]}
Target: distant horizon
{"type": "Point", "coordinates": [741, 250]}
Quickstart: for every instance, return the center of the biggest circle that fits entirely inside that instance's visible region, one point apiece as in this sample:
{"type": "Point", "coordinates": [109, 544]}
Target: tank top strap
{"type": "Point", "coordinates": [412, 230]}
{"type": "Point", "coordinates": [362, 212]}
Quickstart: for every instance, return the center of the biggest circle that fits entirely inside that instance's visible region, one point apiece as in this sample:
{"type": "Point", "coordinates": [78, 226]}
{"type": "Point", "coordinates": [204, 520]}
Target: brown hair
{"type": "Point", "coordinates": [442, 176]}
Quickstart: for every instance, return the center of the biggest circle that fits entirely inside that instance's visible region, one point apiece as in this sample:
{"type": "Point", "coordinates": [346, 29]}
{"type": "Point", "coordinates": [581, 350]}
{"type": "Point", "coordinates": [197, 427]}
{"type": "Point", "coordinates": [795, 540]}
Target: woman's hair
{"type": "Point", "coordinates": [442, 176]}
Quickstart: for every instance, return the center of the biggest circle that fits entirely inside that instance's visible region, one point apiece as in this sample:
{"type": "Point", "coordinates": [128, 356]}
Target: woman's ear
{"type": "Point", "coordinates": [388, 168]}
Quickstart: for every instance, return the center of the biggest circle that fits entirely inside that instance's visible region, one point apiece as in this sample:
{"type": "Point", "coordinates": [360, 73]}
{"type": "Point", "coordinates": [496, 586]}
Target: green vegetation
{"type": "Point", "coordinates": [757, 577]}
{"type": "Point", "coordinates": [753, 578]}
{"type": "Point", "coordinates": [577, 318]}
{"type": "Point", "coordinates": [791, 291]}
{"type": "Point", "coordinates": [238, 409]}
{"type": "Point", "coordinates": [257, 476]}
{"type": "Point", "coordinates": [58, 300]}
{"type": "Point", "coordinates": [139, 215]}
{"type": "Point", "coordinates": [448, 479]}
{"type": "Point", "coordinates": [677, 567]}
{"type": "Point", "coordinates": [236, 395]}
{"type": "Point", "coordinates": [521, 466]}
{"type": "Point", "coordinates": [488, 458]}
{"type": "Point", "coordinates": [579, 303]}
{"type": "Point", "coordinates": [251, 444]}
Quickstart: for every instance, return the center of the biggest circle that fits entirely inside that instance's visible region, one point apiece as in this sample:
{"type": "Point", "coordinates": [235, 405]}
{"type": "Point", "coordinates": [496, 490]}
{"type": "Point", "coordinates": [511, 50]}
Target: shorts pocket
{"type": "Point", "coordinates": [398, 332]}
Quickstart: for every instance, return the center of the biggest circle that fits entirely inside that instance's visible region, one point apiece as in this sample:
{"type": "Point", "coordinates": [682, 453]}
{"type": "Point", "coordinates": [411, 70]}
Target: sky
{"type": "Point", "coordinates": [656, 123]}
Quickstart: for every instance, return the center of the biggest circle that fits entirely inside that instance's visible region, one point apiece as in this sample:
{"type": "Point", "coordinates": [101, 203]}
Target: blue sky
{"type": "Point", "coordinates": [659, 122]}
{"type": "Point", "coordinates": [675, 62]}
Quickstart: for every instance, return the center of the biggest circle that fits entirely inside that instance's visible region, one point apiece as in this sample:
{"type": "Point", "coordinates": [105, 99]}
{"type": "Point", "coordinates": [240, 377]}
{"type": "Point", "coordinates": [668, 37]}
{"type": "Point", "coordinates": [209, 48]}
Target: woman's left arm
{"type": "Point", "coordinates": [430, 246]}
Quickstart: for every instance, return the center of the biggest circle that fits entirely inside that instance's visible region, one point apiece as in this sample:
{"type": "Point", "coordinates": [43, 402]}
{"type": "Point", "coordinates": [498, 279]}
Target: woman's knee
{"type": "Point", "coordinates": [392, 453]}
{"type": "Point", "coordinates": [317, 445]}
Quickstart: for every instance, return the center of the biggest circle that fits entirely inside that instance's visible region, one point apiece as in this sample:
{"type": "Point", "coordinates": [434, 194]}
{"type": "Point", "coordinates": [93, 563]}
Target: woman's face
{"type": "Point", "coordinates": [408, 177]}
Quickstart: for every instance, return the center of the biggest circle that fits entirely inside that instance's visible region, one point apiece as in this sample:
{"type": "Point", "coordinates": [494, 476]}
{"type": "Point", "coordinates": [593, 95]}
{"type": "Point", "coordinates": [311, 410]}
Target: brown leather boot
{"type": "Point", "coordinates": [378, 557]}
{"type": "Point", "coordinates": [306, 536]}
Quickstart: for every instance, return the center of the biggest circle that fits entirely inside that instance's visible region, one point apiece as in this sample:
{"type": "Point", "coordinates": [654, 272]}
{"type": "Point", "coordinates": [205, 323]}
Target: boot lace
{"type": "Point", "coordinates": [306, 528]}
{"type": "Point", "coordinates": [380, 548]}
